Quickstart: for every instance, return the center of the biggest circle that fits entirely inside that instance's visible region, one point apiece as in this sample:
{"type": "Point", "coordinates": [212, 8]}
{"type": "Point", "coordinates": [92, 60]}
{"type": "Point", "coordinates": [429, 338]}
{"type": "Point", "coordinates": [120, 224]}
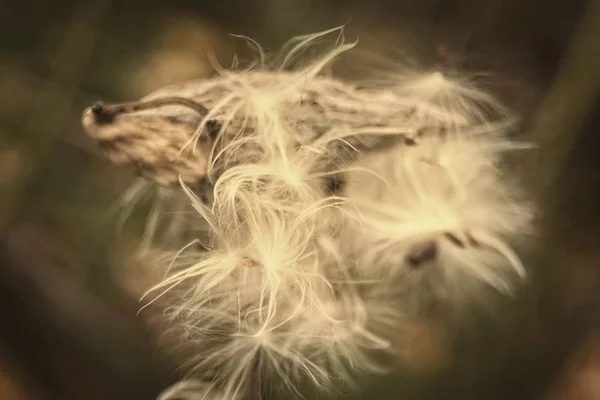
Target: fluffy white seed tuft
{"type": "Point", "coordinates": [333, 203]}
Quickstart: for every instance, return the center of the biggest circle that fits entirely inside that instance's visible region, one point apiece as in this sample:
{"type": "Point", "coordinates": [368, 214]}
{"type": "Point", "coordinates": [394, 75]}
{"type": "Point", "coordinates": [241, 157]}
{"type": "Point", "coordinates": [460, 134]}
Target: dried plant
{"type": "Point", "coordinates": [332, 213]}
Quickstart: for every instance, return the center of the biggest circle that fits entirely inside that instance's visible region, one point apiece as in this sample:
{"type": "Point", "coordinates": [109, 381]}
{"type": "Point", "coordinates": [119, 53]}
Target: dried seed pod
{"type": "Point", "coordinates": [150, 137]}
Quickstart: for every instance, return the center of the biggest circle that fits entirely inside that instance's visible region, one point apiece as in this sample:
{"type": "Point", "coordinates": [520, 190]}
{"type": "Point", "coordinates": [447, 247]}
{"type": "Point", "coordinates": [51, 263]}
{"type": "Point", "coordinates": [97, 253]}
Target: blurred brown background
{"type": "Point", "coordinates": [69, 287]}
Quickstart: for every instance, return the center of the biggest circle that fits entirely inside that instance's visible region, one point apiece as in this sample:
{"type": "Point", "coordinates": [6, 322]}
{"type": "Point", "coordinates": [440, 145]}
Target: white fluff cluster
{"type": "Point", "coordinates": [319, 248]}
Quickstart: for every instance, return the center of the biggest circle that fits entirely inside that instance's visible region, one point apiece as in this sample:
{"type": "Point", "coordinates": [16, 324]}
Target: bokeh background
{"type": "Point", "coordinates": [69, 283]}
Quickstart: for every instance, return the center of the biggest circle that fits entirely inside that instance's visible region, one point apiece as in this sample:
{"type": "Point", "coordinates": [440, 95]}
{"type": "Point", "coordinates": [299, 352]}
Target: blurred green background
{"type": "Point", "coordinates": [69, 285]}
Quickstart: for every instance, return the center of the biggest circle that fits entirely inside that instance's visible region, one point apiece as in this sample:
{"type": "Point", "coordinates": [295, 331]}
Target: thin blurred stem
{"type": "Point", "coordinates": [562, 114]}
{"type": "Point", "coordinates": [555, 128]}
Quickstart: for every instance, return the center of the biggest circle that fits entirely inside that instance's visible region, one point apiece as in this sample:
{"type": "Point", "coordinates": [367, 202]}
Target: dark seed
{"type": "Point", "coordinates": [410, 141]}
{"type": "Point", "coordinates": [213, 128]}
{"type": "Point", "coordinates": [423, 254]}
{"type": "Point", "coordinates": [334, 184]}
{"type": "Point", "coordinates": [472, 241]}
{"type": "Point", "coordinates": [455, 240]}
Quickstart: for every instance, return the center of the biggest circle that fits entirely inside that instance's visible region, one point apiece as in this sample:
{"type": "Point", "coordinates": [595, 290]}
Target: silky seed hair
{"type": "Point", "coordinates": [329, 207]}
